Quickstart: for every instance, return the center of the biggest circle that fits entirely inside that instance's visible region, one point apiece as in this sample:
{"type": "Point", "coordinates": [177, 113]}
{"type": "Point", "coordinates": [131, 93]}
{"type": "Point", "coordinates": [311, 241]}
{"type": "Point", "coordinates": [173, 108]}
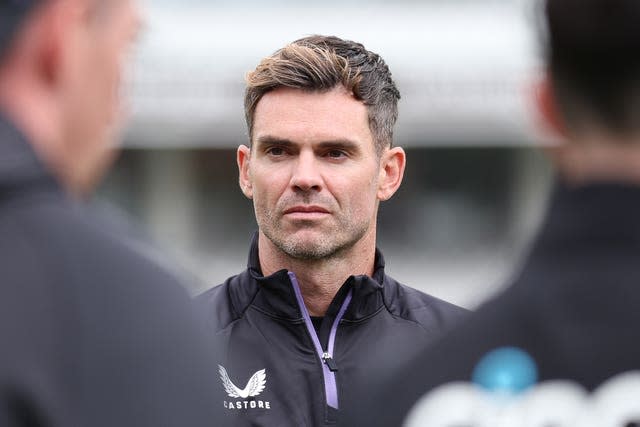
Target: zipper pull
{"type": "Point", "coordinates": [328, 360]}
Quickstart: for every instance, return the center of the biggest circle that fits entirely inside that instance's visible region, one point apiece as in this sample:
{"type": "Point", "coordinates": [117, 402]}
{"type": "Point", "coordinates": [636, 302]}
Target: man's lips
{"type": "Point", "coordinates": [310, 209]}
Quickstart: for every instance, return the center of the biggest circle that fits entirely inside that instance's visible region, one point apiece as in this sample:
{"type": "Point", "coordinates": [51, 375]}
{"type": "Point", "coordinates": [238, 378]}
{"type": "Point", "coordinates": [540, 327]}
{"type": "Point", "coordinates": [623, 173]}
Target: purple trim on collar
{"type": "Point", "coordinates": [330, 386]}
{"type": "Point", "coordinates": [336, 322]}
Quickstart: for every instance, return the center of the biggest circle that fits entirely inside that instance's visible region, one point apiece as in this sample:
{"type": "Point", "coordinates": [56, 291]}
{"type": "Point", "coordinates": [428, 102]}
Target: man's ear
{"type": "Point", "coordinates": [392, 164]}
{"type": "Point", "coordinates": [547, 106]}
{"type": "Point", "coordinates": [244, 160]}
{"type": "Point", "coordinates": [552, 122]}
{"type": "Point", "coordinates": [59, 23]}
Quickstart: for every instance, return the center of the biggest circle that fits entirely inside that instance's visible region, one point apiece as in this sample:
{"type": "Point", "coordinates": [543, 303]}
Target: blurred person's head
{"type": "Point", "coordinates": [321, 63]}
{"type": "Point", "coordinates": [320, 113]}
{"type": "Point", "coordinates": [592, 93]}
{"type": "Point", "coordinates": [60, 71]}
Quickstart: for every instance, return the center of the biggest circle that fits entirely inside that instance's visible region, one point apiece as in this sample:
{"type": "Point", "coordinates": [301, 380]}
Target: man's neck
{"type": "Point", "coordinates": [32, 110]}
{"type": "Point", "coordinates": [320, 280]}
{"type": "Point", "coordinates": [601, 159]}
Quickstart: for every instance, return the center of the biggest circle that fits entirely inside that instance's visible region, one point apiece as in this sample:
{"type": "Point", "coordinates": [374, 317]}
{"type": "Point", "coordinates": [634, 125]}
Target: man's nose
{"type": "Point", "coordinates": [306, 174]}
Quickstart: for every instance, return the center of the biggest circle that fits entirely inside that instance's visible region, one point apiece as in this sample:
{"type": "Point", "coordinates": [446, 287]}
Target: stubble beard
{"type": "Point", "coordinates": [333, 243]}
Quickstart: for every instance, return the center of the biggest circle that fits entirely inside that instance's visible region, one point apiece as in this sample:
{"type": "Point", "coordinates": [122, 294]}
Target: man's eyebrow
{"type": "Point", "coordinates": [348, 145]}
{"type": "Point", "coordinates": [272, 140]}
{"type": "Point", "coordinates": [345, 144]}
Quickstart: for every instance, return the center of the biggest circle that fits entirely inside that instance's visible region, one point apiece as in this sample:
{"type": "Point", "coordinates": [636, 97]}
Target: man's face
{"type": "Point", "coordinates": [312, 172]}
{"type": "Point", "coordinates": [91, 99]}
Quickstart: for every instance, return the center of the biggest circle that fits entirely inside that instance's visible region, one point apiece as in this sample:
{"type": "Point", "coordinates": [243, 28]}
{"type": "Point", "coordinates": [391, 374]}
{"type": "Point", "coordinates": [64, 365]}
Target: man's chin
{"type": "Point", "coordinates": [306, 247]}
{"type": "Point", "coordinates": [308, 253]}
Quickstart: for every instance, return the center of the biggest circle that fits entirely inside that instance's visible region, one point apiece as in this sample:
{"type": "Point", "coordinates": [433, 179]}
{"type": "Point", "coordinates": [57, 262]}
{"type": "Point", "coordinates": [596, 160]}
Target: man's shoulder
{"type": "Point", "coordinates": [417, 306]}
{"type": "Point", "coordinates": [75, 246]}
{"type": "Point", "coordinates": [80, 286]}
{"type": "Point", "coordinates": [46, 224]}
{"type": "Point", "coordinates": [227, 302]}
{"type": "Point", "coordinates": [451, 358]}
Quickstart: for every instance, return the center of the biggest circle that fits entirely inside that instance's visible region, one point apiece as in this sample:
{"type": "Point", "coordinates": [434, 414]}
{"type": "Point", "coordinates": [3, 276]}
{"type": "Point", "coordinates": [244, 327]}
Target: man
{"type": "Point", "coordinates": [572, 314]}
{"type": "Point", "coordinates": [314, 303]}
{"type": "Point", "coordinates": [92, 331]}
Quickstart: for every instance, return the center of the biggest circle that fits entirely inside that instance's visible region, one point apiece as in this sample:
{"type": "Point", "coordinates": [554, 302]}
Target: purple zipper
{"type": "Point", "coordinates": [330, 387]}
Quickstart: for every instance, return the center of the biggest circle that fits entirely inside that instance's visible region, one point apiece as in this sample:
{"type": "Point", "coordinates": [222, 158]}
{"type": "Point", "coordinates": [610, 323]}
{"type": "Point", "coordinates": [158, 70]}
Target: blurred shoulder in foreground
{"type": "Point", "coordinates": [559, 346]}
{"type": "Point", "coordinates": [94, 331]}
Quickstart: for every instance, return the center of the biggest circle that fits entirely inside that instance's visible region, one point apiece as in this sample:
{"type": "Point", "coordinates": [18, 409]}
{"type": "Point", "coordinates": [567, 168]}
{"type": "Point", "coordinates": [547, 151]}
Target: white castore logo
{"type": "Point", "coordinates": [254, 387]}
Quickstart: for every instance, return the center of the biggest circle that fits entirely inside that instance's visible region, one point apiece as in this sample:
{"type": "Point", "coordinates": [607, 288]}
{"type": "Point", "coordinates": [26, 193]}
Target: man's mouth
{"type": "Point", "coordinates": [306, 212]}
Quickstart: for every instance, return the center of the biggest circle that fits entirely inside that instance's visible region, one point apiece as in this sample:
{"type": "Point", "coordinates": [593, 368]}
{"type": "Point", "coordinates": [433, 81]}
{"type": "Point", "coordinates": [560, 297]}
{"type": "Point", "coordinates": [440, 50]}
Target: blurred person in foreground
{"type": "Point", "coordinates": [314, 302]}
{"type": "Point", "coordinates": [560, 346]}
{"type": "Point", "coordinates": [92, 331]}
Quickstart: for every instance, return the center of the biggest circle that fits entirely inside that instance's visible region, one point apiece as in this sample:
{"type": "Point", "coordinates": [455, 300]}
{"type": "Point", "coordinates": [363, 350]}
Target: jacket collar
{"type": "Point", "coordinates": [605, 211]}
{"type": "Point", "coordinates": [275, 295]}
{"type": "Point", "coordinates": [580, 222]}
{"type": "Point", "coordinates": [20, 167]}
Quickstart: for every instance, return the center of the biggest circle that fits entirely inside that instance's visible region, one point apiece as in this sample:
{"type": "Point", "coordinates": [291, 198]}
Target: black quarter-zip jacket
{"type": "Point", "coordinates": [277, 369]}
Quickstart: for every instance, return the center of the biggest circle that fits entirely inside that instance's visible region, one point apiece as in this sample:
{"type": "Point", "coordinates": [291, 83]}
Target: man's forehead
{"type": "Point", "coordinates": [304, 117]}
{"type": "Point", "coordinates": [285, 105]}
{"type": "Point", "coordinates": [338, 90]}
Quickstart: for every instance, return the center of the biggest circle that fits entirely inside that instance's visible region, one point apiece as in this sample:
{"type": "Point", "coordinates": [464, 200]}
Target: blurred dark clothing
{"type": "Point", "coordinates": [93, 332]}
{"type": "Point", "coordinates": [574, 308]}
{"type": "Point", "coordinates": [261, 324]}
{"type": "Point", "coordinates": [12, 13]}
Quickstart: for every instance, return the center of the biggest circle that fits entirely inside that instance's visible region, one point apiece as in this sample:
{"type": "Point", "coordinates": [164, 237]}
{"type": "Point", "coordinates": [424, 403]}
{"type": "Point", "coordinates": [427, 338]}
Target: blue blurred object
{"type": "Point", "coordinates": [507, 370]}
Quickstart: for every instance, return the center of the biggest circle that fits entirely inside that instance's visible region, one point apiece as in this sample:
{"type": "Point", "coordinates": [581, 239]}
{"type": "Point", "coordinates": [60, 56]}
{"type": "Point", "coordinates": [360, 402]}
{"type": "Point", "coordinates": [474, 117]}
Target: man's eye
{"type": "Point", "coordinates": [275, 151]}
{"type": "Point", "coordinates": [336, 154]}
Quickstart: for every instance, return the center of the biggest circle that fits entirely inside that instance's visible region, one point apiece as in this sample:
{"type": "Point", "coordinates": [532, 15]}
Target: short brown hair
{"type": "Point", "coordinates": [320, 63]}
